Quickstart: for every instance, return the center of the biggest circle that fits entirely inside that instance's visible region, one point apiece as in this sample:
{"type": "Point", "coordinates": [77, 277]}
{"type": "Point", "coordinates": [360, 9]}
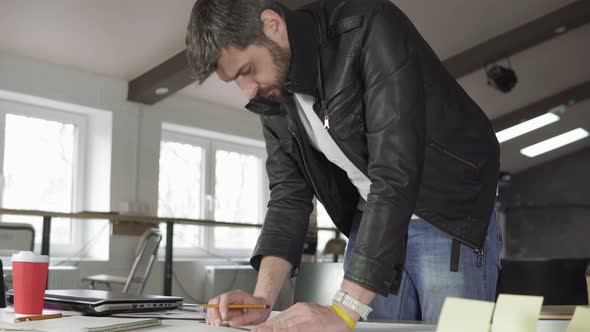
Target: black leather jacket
{"type": "Point", "coordinates": [399, 116]}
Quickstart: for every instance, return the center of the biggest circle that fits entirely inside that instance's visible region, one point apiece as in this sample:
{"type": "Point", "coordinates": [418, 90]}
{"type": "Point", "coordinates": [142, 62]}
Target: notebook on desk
{"type": "Point", "coordinates": [99, 303]}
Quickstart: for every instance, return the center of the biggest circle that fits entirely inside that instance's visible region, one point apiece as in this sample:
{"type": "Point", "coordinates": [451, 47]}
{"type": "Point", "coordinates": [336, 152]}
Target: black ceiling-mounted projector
{"type": "Point", "coordinates": [501, 78]}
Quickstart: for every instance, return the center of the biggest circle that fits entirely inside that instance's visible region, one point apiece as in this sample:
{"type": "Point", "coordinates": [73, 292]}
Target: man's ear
{"type": "Point", "coordinates": [274, 27]}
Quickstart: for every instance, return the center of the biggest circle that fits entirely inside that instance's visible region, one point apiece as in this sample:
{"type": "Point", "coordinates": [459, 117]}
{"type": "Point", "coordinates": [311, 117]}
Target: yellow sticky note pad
{"type": "Point", "coordinates": [516, 313]}
{"type": "Point", "coordinates": [580, 321]}
{"type": "Point", "coordinates": [463, 315]}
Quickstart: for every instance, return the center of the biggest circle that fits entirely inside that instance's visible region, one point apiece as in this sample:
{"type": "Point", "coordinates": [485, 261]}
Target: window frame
{"type": "Point", "coordinates": [183, 138]}
{"type": "Point", "coordinates": [263, 192]}
{"type": "Point", "coordinates": [80, 122]}
{"type": "Point", "coordinates": [210, 142]}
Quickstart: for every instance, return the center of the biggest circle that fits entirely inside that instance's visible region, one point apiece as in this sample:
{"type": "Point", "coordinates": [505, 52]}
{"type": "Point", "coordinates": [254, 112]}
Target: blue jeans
{"type": "Point", "coordinates": [427, 278]}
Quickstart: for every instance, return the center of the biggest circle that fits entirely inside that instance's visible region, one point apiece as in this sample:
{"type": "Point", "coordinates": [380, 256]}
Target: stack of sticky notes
{"type": "Point", "coordinates": [580, 321]}
{"type": "Point", "coordinates": [463, 315]}
{"type": "Point", "coordinates": [516, 313]}
{"type": "Point", "coordinates": [511, 313]}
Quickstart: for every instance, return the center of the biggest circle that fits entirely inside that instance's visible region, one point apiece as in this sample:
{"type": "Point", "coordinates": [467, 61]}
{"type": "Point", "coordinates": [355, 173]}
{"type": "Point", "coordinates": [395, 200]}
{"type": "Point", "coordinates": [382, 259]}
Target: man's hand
{"type": "Point", "coordinates": [236, 317]}
{"type": "Point", "coordinates": [304, 317]}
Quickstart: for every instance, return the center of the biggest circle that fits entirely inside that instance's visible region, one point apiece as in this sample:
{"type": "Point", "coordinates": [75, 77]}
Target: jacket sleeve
{"type": "Point", "coordinates": [289, 207]}
{"type": "Point", "coordinates": [396, 130]}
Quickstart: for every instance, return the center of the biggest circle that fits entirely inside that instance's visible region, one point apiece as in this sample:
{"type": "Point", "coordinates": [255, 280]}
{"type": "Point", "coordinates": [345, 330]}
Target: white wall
{"type": "Point", "coordinates": [135, 143]}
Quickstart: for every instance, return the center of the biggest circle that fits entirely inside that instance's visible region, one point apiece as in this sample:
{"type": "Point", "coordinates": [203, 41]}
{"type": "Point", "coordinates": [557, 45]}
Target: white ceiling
{"type": "Point", "coordinates": [543, 70]}
{"type": "Point", "coordinates": [117, 38]}
{"type": "Point", "coordinates": [124, 38]}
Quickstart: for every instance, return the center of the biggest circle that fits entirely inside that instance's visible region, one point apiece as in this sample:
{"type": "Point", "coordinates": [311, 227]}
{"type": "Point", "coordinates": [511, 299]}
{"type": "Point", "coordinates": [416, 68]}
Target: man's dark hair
{"type": "Point", "coordinates": [216, 24]}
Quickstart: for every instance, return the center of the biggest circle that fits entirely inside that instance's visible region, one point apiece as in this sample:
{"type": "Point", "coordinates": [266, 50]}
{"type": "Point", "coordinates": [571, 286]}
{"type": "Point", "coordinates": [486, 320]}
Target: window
{"type": "Point", "coordinates": [180, 187]}
{"type": "Point", "coordinates": [323, 220]}
{"type": "Point", "coordinates": [206, 175]}
{"type": "Point", "coordinates": [238, 195]}
{"type": "Point", "coordinates": [41, 166]}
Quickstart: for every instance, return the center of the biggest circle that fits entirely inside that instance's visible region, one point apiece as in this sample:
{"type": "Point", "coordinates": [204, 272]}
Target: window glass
{"type": "Point", "coordinates": [179, 190]}
{"type": "Point", "coordinates": [205, 177]}
{"type": "Point", "coordinates": [323, 220]}
{"type": "Point", "coordinates": [38, 168]}
{"type": "Point", "coordinates": [237, 198]}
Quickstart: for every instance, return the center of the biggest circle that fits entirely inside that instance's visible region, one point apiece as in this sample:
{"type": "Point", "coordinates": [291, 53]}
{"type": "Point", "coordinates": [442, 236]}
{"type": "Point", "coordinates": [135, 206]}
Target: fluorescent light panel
{"type": "Point", "coordinates": [555, 142]}
{"type": "Point", "coordinates": [525, 127]}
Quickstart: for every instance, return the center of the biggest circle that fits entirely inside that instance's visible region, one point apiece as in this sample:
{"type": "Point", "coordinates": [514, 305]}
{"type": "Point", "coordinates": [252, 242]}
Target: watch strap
{"type": "Point", "coordinates": [341, 297]}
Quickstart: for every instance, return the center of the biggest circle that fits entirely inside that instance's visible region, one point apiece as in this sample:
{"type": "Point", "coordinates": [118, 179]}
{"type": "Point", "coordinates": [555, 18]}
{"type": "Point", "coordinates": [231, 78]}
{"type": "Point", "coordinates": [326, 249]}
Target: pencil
{"type": "Point", "coordinates": [38, 317]}
{"type": "Point", "coordinates": [237, 306]}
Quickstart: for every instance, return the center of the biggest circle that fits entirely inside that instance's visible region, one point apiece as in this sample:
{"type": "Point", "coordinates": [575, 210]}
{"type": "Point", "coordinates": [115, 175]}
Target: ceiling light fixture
{"type": "Point", "coordinates": [529, 125]}
{"type": "Point", "coordinates": [555, 142]}
{"type": "Point", "coordinates": [161, 91]}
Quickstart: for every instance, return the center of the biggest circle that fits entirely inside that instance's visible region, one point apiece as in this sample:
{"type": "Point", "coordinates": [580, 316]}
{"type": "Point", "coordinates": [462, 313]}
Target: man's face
{"type": "Point", "coordinates": [260, 70]}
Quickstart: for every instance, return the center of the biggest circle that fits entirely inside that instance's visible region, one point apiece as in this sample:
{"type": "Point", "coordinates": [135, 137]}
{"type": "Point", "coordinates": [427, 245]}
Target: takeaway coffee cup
{"type": "Point", "coordinates": [29, 275]}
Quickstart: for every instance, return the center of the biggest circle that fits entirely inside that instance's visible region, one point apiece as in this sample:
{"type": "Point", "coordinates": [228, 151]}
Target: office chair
{"type": "Point", "coordinates": [146, 254]}
{"type": "Point", "coordinates": [335, 247]}
{"type": "Point", "coordinates": [15, 237]}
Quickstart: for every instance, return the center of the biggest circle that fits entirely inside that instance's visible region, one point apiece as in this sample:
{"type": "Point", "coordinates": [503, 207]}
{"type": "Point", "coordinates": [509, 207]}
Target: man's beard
{"type": "Point", "coordinates": [281, 59]}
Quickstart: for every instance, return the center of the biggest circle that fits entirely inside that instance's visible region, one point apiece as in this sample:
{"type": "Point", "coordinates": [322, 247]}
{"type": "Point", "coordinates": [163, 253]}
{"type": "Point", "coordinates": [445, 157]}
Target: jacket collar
{"type": "Point", "coordinates": [304, 42]}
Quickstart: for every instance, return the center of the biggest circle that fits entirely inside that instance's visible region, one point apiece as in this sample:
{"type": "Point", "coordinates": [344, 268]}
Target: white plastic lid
{"type": "Point", "coordinates": [28, 256]}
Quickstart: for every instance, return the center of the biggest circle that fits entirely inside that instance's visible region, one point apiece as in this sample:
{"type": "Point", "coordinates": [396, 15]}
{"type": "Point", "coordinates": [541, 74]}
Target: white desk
{"type": "Point", "coordinates": [186, 326]}
{"type": "Point", "coordinates": [194, 326]}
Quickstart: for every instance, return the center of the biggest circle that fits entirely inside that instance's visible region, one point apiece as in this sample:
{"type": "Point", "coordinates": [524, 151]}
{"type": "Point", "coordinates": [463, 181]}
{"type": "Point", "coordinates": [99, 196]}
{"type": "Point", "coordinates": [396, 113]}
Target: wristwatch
{"type": "Point", "coordinates": [353, 304]}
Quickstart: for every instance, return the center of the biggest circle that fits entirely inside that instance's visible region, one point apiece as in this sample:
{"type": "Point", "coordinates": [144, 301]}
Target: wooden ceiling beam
{"type": "Point", "coordinates": [174, 74]}
{"type": "Point", "coordinates": [161, 81]}
{"type": "Point", "coordinates": [517, 40]}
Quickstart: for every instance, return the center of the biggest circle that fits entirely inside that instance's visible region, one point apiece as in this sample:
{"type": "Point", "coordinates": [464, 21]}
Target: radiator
{"type": "Point", "coordinates": [59, 277]}
{"type": "Point", "coordinates": [63, 277]}
{"type": "Point", "coordinates": [224, 278]}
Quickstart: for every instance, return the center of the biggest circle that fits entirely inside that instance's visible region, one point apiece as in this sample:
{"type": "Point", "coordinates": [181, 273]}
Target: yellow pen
{"type": "Point", "coordinates": [237, 306]}
{"type": "Point", "coordinates": [38, 317]}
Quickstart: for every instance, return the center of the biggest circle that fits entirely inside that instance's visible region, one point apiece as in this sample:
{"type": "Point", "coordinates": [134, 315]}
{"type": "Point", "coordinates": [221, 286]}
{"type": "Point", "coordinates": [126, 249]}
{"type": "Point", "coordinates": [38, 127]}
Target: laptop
{"type": "Point", "coordinates": [99, 303]}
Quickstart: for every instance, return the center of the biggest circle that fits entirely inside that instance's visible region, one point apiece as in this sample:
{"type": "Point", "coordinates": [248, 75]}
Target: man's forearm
{"type": "Point", "coordinates": [271, 276]}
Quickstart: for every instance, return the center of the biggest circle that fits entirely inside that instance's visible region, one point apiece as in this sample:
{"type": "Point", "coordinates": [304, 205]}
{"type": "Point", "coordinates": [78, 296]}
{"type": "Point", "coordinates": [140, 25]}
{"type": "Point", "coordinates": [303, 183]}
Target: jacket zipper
{"type": "Point", "coordinates": [336, 108]}
{"type": "Point", "coordinates": [480, 257]}
{"type": "Point", "coordinates": [440, 149]}
{"type": "Point", "coordinates": [471, 245]}
{"type": "Point", "coordinates": [480, 260]}
{"type": "Point", "coordinates": [327, 117]}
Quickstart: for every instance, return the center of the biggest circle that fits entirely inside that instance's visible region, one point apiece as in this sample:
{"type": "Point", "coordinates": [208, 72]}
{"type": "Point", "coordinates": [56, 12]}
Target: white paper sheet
{"type": "Point", "coordinates": [76, 323]}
